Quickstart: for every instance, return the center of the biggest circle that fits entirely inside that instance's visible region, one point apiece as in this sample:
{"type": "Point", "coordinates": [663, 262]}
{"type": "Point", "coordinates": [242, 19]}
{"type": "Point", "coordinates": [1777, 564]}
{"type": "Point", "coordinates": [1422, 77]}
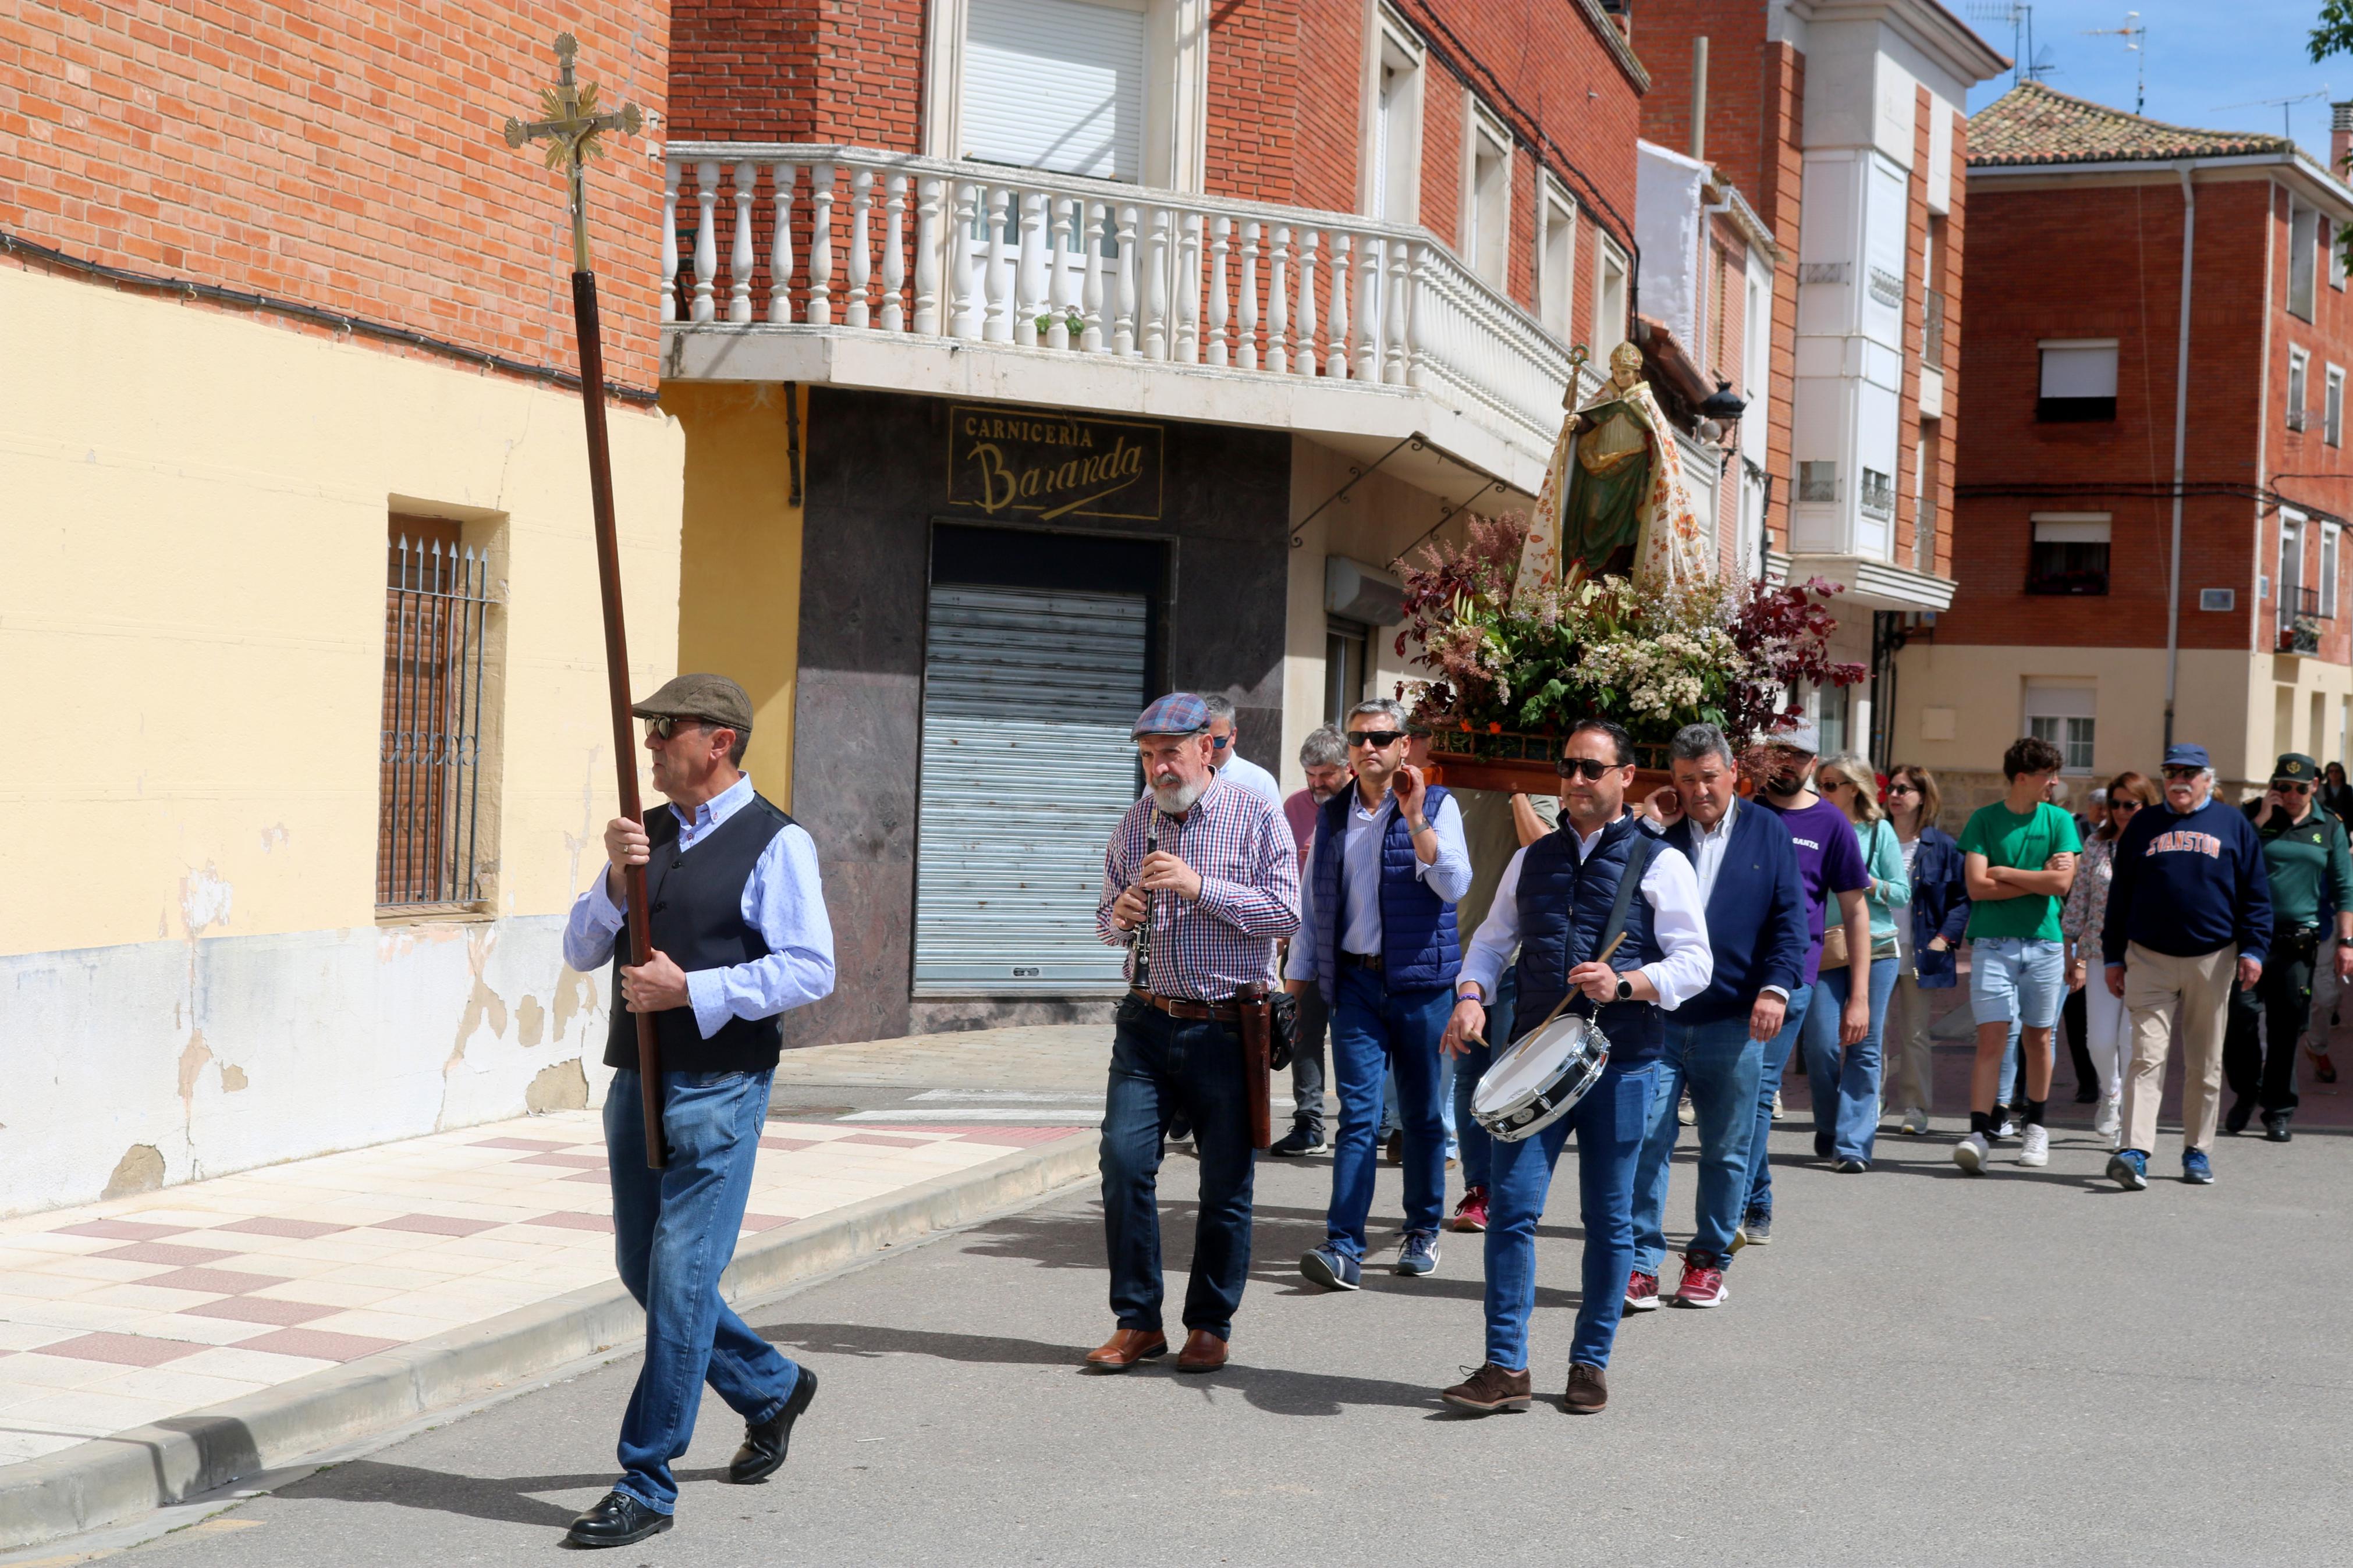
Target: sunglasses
{"type": "Point", "coordinates": [663, 727]}
{"type": "Point", "coordinates": [1585, 768]}
{"type": "Point", "coordinates": [1834, 783]}
{"type": "Point", "coordinates": [1219, 742]}
{"type": "Point", "coordinates": [2181, 772]}
{"type": "Point", "coordinates": [2284, 787]}
{"type": "Point", "coordinates": [1902, 789]}
{"type": "Point", "coordinates": [2124, 807]}
{"type": "Point", "coordinates": [1379, 740]}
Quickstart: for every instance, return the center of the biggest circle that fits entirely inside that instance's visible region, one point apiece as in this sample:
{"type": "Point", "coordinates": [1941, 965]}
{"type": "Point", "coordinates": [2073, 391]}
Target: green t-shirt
{"type": "Point", "coordinates": [2006, 838]}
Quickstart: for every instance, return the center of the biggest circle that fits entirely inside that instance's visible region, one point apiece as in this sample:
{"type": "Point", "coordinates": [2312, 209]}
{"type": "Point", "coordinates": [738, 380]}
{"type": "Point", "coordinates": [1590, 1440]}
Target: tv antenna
{"type": "Point", "coordinates": [2284, 105]}
{"type": "Point", "coordinates": [2134, 33]}
{"type": "Point", "coordinates": [2028, 63]}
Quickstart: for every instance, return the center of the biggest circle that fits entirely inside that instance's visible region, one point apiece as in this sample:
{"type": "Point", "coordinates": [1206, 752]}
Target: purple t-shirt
{"type": "Point", "coordinates": [1830, 856]}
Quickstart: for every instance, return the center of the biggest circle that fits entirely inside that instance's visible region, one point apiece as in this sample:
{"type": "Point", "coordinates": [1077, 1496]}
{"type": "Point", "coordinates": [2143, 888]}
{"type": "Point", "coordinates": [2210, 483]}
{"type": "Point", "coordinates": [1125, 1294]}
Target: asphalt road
{"type": "Point", "coordinates": [1922, 1369]}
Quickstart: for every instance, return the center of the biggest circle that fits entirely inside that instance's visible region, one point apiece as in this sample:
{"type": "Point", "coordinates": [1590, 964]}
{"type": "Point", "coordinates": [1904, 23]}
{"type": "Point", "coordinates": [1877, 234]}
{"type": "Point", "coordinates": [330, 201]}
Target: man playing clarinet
{"type": "Point", "coordinates": [1200, 881]}
{"type": "Point", "coordinates": [1563, 901]}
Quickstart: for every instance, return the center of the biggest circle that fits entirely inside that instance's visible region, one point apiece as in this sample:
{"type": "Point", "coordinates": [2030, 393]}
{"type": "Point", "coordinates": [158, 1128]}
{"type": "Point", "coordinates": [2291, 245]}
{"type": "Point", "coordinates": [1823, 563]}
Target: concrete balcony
{"type": "Point", "coordinates": [853, 268]}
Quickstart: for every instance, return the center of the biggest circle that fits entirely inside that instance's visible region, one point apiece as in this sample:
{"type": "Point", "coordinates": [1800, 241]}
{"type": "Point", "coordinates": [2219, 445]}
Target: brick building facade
{"type": "Point", "coordinates": [2067, 476]}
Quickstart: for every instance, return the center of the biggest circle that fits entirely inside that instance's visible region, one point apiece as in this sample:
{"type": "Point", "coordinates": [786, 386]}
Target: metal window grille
{"type": "Point", "coordinates": [2298, 416]}
{"type": "Point", "coordinates": [1878, 494]}
{"type": "Point", "coordinates": [437, 609]}
{"type": "Point", "coordinates": [1817, 481]}
{"type": "Point", "coordinates": [1886, 287]}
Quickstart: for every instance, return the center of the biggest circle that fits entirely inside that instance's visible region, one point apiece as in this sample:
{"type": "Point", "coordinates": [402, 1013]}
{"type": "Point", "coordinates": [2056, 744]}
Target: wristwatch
{"type": "Point", "coordinates": [1625, 989]}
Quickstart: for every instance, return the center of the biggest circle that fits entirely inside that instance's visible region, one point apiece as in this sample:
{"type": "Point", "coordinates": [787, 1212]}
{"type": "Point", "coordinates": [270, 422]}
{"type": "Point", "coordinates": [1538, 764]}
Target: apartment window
{"type": "Point", "coordinates": [1555, 258]}
{"type": "Point", "coordinates": [1830, 718]}
{"type": "Point", "coordinates": [1346, 666]}
{"type": "Point", "coordinates": [2299, 380]}
{"type": "Point", "coordinates": [1608, 302]}
{"type": "Point", "coordinates": [2079, 381]}
{"type": "Point", "coordinates": [2066, 717]}
{"type": "Point", "coordinates": [2329, 535]}
{"type": "Point", "coordinates": [1056, 84]}
{"type": "Point", "coordinates": [1818, 482]}
{"type": "Point", "coordinates": [438, 672]}
{"type": "Point", "coordinates": [2069, 552]}
{"type": "Point", "coordinates": [1392, 173]}
{"type": "Point", "coordinates": [2304, 229]}
{"type": "Point", "coordinates": [1486, 193]}
{"type": "Point", "coordinates": [2332, 243]}
{"type": "Point", "coordinates": [1878, 494]}
{"type": "Point", "coordinates": [2332, 408]}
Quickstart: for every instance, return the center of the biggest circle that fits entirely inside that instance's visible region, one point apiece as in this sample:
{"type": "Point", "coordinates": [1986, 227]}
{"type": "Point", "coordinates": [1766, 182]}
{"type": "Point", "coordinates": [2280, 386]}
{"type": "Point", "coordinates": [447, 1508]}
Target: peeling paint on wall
{"type": "Point", "coordinates": [141, 1170]}
{"type": "Point", "coordinates": [193, 1058]}
{"type": "Point", "coordinates": [575, 993]}
{"type": "Point", "coordinates": [531, 1022]}
{"type": "Point", "coordinates": [273, 836]}
{"type": "Point", "coordinates": [232, 1078]}
{"type": "Point", "coordinates": [562, 1087]}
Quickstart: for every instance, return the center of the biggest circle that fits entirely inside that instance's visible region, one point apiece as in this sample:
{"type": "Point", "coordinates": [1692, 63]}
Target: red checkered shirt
{"type": "Point", "coordinates": [1249, 865]}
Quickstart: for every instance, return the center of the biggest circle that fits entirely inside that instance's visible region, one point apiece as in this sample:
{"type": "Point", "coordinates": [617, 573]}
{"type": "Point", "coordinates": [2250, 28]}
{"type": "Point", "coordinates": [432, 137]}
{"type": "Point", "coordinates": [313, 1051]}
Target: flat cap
{"type": "Point", "coordinates": [1178, 713]}
{"type": "Point", "coordinates": [2182, 755]}
{"type": "Point", "coordinates": [1798, 735]}
{"type": "Point", "coordinates": [711, 697]}
{"type": "Point", "coordinates": [2296, 767]}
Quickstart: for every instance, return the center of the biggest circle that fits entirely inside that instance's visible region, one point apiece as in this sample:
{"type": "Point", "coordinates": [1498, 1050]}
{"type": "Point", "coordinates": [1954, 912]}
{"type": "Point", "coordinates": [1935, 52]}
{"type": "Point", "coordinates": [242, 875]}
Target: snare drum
{"type": "Point", "coordinates": [1540, 1079]}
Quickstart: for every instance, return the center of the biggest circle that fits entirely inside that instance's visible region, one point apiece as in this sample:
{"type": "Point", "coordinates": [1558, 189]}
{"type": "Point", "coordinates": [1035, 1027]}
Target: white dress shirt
{"type": "Point", "coordinates": [1449, 876]}
{"type": "Point", "coordinates": [1678, 919]}
{"type": "Point", "coordinates": [1241, 770]}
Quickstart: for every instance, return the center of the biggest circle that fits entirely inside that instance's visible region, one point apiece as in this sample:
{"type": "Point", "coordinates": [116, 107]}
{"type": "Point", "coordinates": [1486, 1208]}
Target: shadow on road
{"type": "Point", "coordinates": [505, 1499]}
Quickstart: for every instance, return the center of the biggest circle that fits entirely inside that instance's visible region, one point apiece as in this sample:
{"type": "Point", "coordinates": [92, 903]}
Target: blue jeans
{"type": "Point", "coordinates": [1845, 1081]}
{"type": "Point", "coordinates": [1478, 1149]}
{"type": "Point", "coordinates": [1720, 1063]}
{"type": "Point", "coordinates": [1161, 1067]}
{"type": "Point", "coordinates": [1609, 1123]}
{"type": "Point", "coordinates": [1446, 1104]}
{"type": "Point", "coordinates": [1768, 1084]}
{"type": "Point", "coordinates": [1372, 1028]}
{"type": "Point", "coordinates": [674, 1232]}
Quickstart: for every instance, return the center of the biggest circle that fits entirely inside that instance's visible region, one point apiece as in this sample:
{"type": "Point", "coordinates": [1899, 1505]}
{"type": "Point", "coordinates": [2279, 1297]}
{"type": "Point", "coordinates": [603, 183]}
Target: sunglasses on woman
{"type": "Point", "coordinates": [1900, 788]}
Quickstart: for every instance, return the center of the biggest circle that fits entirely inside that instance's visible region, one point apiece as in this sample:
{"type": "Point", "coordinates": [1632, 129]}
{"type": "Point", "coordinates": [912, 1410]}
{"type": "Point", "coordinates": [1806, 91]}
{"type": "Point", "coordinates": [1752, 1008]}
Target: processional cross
{"type": "Point", "coordinates": [571, 126]}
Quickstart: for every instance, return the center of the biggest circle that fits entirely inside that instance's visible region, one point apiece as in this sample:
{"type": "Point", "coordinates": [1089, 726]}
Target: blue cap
{"type": "Point", "coordinates": [2181, 754]}
{"type": "Point", "coordinates": [1178, 713]}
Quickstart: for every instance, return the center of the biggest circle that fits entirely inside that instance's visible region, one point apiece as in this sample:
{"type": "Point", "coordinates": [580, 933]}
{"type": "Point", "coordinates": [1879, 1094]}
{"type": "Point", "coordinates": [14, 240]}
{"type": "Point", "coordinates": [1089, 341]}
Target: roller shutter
{"type": "Point", "coordinates": [1055, 84]}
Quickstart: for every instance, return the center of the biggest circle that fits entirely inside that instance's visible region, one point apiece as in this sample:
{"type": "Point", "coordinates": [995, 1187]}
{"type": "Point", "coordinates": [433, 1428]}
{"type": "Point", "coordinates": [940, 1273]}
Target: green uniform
{"type": "Point", "coordinates": [2309, 864]}
{"type": "Point", "coordinates": [2006, 838]}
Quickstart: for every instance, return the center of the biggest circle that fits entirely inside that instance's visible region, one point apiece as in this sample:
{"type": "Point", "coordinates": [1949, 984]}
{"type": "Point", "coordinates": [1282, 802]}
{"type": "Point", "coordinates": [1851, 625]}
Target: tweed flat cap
{"type": "Point", "coordinates": [711, 697]}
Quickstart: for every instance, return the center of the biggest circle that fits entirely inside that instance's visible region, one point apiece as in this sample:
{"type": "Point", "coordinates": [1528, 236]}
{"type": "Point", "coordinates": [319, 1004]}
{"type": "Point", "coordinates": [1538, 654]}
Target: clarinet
{"type": "Point", "coordinates": [1139, 946]}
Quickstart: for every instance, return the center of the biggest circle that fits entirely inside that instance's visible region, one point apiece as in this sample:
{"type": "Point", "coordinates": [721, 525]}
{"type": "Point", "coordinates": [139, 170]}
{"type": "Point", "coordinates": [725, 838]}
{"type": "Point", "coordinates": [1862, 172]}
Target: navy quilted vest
{"type": "Point", "coordinates": [1420, 944]}
{"type": "Point", "coordinates": [1564, 907]}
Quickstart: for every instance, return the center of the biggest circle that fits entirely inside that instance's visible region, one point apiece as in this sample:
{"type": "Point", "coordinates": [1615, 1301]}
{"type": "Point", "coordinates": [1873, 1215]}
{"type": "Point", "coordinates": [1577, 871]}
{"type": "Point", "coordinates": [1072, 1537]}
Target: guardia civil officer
{"type": "Point", "coordinates": [740, 936]}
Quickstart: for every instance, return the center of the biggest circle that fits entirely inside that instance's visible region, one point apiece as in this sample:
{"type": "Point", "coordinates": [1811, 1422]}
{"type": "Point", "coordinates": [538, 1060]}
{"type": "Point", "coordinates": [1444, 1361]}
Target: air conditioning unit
{"type": "Point", "coordinates": [1356, 592]}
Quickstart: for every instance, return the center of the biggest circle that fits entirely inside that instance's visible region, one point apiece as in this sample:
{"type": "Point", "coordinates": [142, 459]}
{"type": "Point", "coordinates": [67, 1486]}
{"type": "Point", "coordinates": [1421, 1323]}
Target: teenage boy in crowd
{"type": "Point", "coordinates": [2191, 904]}
{"type": "Point", "coordinates": [2018, 860]}
{"type": "Point", "coordinates": [2306, 857]}
{"type": "Point", "coordinates": [1830, 864]}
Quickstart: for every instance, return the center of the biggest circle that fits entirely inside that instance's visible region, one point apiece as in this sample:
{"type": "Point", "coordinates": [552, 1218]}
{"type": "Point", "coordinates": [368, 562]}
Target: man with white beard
{"type": "Point", "coordinates": [1201, 882]}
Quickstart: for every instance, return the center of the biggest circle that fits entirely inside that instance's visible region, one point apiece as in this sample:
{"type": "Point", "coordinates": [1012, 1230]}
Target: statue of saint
{"type": "Point", "coordinates": [1613, 498]}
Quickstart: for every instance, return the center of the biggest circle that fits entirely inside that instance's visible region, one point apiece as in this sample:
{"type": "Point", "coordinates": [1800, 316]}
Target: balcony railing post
{"type": "Point", "coordinates": [1394, 367]}
{"type": "Point", "coordinates": [1278, 304]}
{"type": "Point", "coordinates": [996, 279]}
{"type": "Point", "coordinates": [1221, 235]}
{"type": "Point", "coordinates": [964, 294]}
{"type": "Point", "coordinates": [1335, 330]}
{"type": "Point", "coordinates": [671, 171]}
{"type": "Point", "coordinates": [1189, 288]}
{"type": "Point", "coordinates": [1032, 271]}
{"type": "Point", "coordinates": [706, 243]}
{"type": "Point", "coordinates": [1303, 363]}
{"type": "Point", "coordinates": [1093, 218]}
{"type": "Point", "coordinates": [821, 278]}
{"type": "Point", "coordinates": [1418, 322]}
{"type": "Point", "coordinates": [1246, 350]}
{"type": "Point", "coordinates": [1122, 336]}
{"type": "Point", "coordinates": [781, 180]}
{"type": "Point", "coordinates": [1155, 289]}
{"type": "Point", "coordinates": [739, 254]}
{"type": "Point", "coordinates": [927, 257]}
{"type": "Point", "coordinates": [1368, 312]}
{"type": "Point", "coordinates": [894, 253]}
{"type": "Point", "coordinates": [856, 311]}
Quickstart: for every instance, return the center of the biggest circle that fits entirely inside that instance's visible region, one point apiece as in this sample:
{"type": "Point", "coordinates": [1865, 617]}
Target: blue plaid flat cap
{"type": "Point", "coordinates": [1178, 713]}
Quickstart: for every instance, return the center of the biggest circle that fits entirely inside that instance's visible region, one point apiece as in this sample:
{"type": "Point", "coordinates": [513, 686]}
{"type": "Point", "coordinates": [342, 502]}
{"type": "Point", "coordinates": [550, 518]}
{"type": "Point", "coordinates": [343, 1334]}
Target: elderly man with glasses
{"type": "Point", "coordinates": [2305, 859]}
{"type": "Point", "coordinates": [2190, 906]}
{"type": "Point", "coordinates": [1378, 939]}
{"type": "Point", "coordinates": [740, 935]}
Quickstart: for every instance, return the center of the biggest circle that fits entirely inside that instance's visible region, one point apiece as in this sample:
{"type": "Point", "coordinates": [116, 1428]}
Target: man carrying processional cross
{"type": "Point", "coordinates": [1613, 497]}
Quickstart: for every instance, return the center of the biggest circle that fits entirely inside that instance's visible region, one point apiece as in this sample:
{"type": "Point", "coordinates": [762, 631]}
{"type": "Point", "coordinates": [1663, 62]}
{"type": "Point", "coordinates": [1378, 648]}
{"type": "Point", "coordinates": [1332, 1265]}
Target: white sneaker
{"type": "Point", "coordinates": [2004, 1127]}
{"type": "Point", "coordinates": [2108, 1122]}
{"type": "Point", "coordinates": [1684, 1114]}
{"type": "Point", "coordinates": [2036, 1150]}
{"type": "Point", "coordinates": [1914, 1122]}
{"type": "Point", "coordinates": [1971, 1153]}
{"type": "Point", "coordinates": [1778, 1111]}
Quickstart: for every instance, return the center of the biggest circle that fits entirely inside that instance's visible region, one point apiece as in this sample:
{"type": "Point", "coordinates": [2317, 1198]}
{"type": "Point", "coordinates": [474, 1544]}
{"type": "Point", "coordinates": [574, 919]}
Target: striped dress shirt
{"type": "Point", "coordinates": [1249, 865]}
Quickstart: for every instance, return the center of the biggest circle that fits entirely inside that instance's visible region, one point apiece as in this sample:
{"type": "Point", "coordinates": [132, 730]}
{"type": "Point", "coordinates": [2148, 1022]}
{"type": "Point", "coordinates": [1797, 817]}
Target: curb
{"type": "Point", "coordinates": [108, 1479]}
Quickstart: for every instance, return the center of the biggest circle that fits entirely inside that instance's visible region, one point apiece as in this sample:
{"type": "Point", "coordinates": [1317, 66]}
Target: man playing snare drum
{"type": "Point", "coordinates": [1558, 901]}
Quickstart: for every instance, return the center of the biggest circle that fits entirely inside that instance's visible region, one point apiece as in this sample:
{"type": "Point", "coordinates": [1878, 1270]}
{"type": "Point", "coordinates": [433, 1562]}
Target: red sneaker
{"type": "Point", "coordinates": [1470, 1213]}
{"type": "Point", "coordinates": [1702, 1285]}
{"type": "Point", "coordinates": [1642, 1292]}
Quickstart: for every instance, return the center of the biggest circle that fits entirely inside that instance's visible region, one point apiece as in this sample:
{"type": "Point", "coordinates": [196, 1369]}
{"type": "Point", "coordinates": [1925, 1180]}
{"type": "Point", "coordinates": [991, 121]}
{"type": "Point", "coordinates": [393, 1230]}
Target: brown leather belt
{"type": "Point", "coordinates": [1180, 1008]}
{"type": "Point", "coordinates": [1360, 960]}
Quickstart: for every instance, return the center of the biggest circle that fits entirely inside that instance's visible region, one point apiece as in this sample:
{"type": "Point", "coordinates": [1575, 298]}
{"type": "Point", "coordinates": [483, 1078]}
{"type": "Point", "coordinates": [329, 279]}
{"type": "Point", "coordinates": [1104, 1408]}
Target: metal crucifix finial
{"type": "Point", "coordinates": [570, 125]}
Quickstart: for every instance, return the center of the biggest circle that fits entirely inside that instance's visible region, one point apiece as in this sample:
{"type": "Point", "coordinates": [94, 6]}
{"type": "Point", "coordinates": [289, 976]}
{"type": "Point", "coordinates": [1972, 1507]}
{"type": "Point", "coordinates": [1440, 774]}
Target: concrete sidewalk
{"type": "Point", "coordinates": [161, 1345]}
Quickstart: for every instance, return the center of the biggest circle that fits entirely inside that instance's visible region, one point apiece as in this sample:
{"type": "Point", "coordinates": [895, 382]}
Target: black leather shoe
{"type": "Point", "coordinates": [763, 1453]}
{"type": "Point", "coordinates": [619, 1521]}
{"type": "Point", "coordinates": [2276, 1129]}
{"type": "Point", "coordinates": [2242, 1110]}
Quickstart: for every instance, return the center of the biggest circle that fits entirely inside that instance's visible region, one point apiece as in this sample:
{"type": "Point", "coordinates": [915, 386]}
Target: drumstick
{"type": "Point", "coordinates": [1572, 992]}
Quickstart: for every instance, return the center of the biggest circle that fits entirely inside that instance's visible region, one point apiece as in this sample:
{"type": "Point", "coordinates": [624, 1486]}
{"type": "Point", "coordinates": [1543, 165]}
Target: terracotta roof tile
{"type": "Point", "coordinates": [2031, 123]}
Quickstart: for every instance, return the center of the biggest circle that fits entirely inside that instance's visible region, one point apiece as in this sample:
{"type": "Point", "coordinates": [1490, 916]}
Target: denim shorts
{"type": "Point", "coordinates": [2015, 977]}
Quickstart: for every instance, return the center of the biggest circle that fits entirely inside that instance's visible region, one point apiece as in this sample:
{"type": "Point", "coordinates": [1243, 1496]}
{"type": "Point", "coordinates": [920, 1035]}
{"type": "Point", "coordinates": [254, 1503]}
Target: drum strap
{"type": "Point", "coordinates": [1637, 861]}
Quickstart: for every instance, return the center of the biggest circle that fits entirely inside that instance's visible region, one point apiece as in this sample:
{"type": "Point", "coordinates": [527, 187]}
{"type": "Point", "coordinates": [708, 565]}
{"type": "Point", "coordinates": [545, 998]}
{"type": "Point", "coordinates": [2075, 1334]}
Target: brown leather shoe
{"type": "Point", "coordinates": [1588, 1390]}
{"type": "Point", "coordinates": [1490, 1389]}
{"type": "Point", "coordinates": [1203, 1352]}
{"type": "Point", "coordinates": [1127, 1347]}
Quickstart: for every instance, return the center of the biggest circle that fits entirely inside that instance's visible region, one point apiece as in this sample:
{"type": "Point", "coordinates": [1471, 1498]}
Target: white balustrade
{"type": "Point", "coordinates": [1057, 264]}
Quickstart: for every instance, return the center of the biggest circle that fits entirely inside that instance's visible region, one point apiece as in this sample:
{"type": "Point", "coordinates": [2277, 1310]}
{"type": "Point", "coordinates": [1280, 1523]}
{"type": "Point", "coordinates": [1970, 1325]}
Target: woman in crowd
{"type": "Point", "coordinates": [2107, 1028]}
{"type": "Point", "coordinates": [1927, 932]}
{"type": "Point", "coordinates": [1846, 1082]}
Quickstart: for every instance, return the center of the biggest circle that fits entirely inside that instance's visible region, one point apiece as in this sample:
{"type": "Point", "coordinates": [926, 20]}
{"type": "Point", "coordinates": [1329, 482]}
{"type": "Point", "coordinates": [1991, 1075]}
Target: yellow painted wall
{"type": "Point", "coordinates": [739, 603]}
{"type": "Point", "coordinates": [192, 609]}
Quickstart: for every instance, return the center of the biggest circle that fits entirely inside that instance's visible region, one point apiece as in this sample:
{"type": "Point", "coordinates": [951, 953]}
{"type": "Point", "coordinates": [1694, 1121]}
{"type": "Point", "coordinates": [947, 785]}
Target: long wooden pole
{"type": "Point", "coordinates": [617, 681]}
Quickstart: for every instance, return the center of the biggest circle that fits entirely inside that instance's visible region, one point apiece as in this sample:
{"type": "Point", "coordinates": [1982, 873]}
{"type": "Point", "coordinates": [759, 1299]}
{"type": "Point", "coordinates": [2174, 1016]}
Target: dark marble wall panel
{"type": "Point", "coordinates": [875, 482]}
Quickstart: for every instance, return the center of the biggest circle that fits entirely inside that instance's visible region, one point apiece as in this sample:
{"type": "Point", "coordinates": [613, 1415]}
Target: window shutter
{"type": "Point", "coordinates": [1055, 84]}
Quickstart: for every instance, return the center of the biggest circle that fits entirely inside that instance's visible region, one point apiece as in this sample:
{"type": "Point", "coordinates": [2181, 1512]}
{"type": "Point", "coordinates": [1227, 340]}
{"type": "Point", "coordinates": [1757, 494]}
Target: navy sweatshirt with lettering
{"type": "Point", "coordinates": [2188, 885]}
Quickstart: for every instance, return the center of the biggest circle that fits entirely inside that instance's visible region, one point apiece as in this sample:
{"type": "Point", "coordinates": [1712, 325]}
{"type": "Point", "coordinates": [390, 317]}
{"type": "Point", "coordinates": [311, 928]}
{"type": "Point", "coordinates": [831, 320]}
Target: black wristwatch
{"type": "Point", "coordinates": [1625, 989]}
